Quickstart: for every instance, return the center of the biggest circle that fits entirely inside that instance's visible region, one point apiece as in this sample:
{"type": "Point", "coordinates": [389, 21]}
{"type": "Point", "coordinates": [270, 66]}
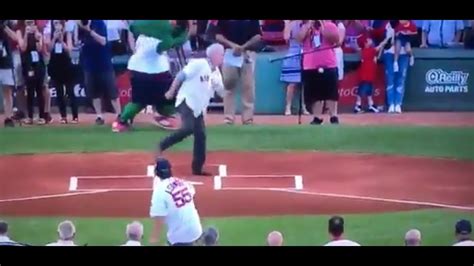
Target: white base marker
{"type": "Point", "coordinates": [150, 170]}
{"type": "Point", "coordinates": [222, 170]}
{"type": "Point", "coordinates": [73, 184]}
{"type": "Point", "coordinates": [217, 182]}
{"type": "Point", "coordinates": [298, 182]}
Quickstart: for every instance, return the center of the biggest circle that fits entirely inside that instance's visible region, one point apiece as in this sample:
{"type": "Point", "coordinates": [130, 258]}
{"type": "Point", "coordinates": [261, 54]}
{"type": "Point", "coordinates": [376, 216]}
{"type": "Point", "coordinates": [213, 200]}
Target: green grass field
{"type": "Point", "coordinates": [380, 229]}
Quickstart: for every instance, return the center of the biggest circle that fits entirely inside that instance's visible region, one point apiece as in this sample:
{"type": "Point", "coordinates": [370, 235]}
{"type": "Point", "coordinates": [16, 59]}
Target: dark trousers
{"type": "Point", "coordinates": [35, 85]}
{"type": "Point", "coordinates": [60, 97]}
{"type": "Point", "coordinates": [190, 125]}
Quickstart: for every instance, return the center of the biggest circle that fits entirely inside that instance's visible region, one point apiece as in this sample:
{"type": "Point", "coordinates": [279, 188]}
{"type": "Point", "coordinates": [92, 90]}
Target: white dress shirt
{"type": "Point", "coordinates": [199, 85]}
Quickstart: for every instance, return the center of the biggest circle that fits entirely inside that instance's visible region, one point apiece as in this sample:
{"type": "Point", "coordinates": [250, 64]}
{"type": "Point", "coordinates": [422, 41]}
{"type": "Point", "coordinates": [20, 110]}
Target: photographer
{"type": "Point", "coordinates": [58, 42]}
{"type": "Point", "coordinates": [30, 41]}
{"type": "Point", "coordinates": [96, 58]}
{"type": "Point", "coordinates": [7, 78]}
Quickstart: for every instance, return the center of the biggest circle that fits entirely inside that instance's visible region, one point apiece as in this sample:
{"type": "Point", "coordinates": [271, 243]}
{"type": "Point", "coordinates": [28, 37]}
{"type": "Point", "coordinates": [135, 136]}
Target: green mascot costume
{"type": "Point", "coordinates": [149, 67]}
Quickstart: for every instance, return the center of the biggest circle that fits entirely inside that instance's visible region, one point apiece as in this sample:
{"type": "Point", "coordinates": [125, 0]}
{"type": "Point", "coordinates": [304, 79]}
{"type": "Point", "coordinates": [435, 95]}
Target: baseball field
{"type": "Point", "coordinates": [384, 173]}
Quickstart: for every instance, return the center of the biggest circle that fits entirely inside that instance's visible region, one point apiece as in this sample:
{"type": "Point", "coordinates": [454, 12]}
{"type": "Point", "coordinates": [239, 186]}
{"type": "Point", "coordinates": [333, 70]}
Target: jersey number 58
{"type": "Point", "coordinates": [181, 197]}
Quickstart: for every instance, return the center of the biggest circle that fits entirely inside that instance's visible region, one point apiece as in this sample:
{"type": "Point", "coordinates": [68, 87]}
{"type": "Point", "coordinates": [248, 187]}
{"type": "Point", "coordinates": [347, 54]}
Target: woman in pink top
{"type": "Point", "coordinates": [320, 74]}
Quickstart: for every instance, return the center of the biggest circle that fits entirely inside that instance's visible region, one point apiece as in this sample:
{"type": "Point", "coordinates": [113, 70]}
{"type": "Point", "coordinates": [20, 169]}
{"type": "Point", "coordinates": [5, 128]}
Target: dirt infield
{"type": "Point", "coordinates": [333, 183]}
{"type": "Point", "coordinates": [412, 118]}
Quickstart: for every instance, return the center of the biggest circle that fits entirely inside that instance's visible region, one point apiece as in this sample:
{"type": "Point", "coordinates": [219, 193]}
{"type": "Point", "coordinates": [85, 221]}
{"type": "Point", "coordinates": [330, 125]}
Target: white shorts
{"type": "Point", "coordinates": [6, 77]}
{"type": "Point", "coordinates": [340, 62]}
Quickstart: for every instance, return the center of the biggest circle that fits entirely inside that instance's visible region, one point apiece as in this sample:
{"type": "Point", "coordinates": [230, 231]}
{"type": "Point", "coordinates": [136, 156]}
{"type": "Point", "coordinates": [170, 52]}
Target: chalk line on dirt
{"type": "Point", "coordinates": [51, 196]}
{"type": "Point", "coordinates": [335, 195]}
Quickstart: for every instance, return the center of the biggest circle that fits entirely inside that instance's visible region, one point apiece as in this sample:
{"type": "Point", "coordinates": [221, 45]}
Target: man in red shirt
{"type": "Point", "coordinates": [367, 72]}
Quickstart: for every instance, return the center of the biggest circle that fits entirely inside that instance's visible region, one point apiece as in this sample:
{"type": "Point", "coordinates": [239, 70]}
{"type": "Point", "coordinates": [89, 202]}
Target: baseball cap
{"type": "Point", "coordinates": [210, 236]}
{"type": "Point", "coordinates": [463, 227]}
{"type": "Point", "coordinates": [163, 168]}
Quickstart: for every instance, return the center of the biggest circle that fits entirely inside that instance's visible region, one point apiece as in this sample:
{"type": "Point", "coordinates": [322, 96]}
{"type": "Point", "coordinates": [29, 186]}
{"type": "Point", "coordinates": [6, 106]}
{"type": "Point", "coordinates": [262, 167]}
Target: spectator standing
{"type": "Point", "coordinates": [4, 239]}
{"type": "Point", "coordinates": [66, 233]}
{"type": "Point", "coordinates": [238, 36]}
{"type": "Point", "coordinates": [336, 231]}
{"type": "Point", "coordinates": [469, 35]}
{"type": "Point", "coordinates": [96, 58]}
{"type": "Point", "coordinates": [463, 230]}
{"type": "Point", "coordinates": [7, 71]}
{"type": "Point", "coordinates": [441, 33]}
{"type": "Point", "coordinates": [30, 41]}
{"type": "Point", "coordinates": [413, 238]}
{"type": "Point", "coordinates": [60, 68]}
{"type": "Point", "coordinates": [338, 49]}
{"type": "Point", "coordinates": [134, 234]}
{"type": "Point", "coordinates": [354, 29]}
{"type": "Point", "coordinates": [119, 37]}
{"type": "Point", "coordinates": [395, 81]}
{"type": "Point", "coordinates": [320, 77]}
{"type": "Point", "coordinates": [291, 67]}
{"type": "Point", "coordinates": [275, 239]}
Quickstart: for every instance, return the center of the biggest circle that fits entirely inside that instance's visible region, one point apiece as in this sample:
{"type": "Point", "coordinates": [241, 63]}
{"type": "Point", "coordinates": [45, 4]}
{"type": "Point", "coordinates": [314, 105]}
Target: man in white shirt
{"type": "Point", "coordinates": [134, 234]}
{"type": "Point", "coordinates": [463, 231]}
{"type": "Point", "coordinates": [197, 84]}
{"type": "Point", "coordinates": [336, 230]}
{"type": "Point", "coordinates": [4, 239]}
{"type": "Point", "coordinates": [66, 232]}
{"type": "Point", "coordinates": [172, 203]}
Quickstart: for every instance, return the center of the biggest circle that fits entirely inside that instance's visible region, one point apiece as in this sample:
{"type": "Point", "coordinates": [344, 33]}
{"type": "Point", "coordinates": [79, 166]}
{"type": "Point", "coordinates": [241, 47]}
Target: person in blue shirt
{"type": "Point", "coordinates": [96, 60]}
{"type": "Point", "coordinates": [441, 33]}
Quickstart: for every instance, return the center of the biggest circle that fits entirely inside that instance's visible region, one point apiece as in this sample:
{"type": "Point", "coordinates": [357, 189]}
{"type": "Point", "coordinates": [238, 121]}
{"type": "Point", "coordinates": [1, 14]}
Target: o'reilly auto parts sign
{"type": "Point", "coordinates": [440, 85]}
{"type": "Point", "coordinates": [441, 81]}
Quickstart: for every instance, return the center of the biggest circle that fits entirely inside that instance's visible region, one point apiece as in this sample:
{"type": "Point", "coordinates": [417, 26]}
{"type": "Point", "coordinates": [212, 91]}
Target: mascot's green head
{"type": "Point", "coordinates": [172, 33]}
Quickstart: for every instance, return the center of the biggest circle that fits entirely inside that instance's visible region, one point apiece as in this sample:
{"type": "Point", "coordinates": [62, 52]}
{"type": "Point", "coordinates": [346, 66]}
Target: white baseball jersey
{"type": "Point", "coordinates": [466, 243]}
{"type": "Point", "coordinates": [199, 85]}
{"type": "Point", "coordinates": [146, 59]}
{"type": "Point", "coordinates": [174, 199]}
{"type": "Point", "coordinates": [342, 243]}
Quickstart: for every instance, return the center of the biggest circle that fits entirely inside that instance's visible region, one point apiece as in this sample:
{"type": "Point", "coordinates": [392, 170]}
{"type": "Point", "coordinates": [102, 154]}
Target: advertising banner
{"type": "Point", "coordinates": [440, 85]}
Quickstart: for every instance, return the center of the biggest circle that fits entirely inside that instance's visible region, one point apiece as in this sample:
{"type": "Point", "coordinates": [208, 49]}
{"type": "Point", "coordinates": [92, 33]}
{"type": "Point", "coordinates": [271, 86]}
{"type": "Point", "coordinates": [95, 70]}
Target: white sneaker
{"type": "Point", "coordinates": [391, 108]}
{"type": "Point", "coordinates": [395, 67]}
{"type": "Point", "coordinates": [398, 109]}
{"type": "Point", "coordinates": [287, 111]}
{"type": "Point", "coordinates": [373, 109]}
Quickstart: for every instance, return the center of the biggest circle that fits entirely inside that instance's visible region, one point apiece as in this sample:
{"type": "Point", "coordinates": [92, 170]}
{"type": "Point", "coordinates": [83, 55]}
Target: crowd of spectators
{"type": "Point", "coordinates": [36, 53]}
{"type": "Point", "coordinates": [134, 235]}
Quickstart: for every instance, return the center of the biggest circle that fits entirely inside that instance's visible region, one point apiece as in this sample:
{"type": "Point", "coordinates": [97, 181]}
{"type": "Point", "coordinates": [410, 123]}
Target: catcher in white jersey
{"type": "Point", "coordinates": [173, 203]}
